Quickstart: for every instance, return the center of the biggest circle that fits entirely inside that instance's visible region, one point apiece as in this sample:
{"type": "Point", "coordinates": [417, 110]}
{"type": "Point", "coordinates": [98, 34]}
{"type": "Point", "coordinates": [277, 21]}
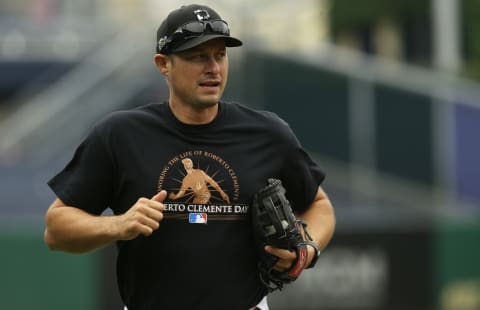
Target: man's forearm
{"type": "Point", "coordinates": [73, 230]}
{"type": "Point", "coordinates": [320, 219]}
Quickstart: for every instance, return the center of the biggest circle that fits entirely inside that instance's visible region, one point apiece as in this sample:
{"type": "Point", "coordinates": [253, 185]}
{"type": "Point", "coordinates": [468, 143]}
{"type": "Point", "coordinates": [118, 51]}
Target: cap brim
{"type": "Point", "coordinates": [229, 42]}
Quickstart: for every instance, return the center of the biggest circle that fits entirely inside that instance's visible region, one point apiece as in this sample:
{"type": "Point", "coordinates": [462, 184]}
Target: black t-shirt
{"type": "Point", "coordinates": [202, 256]}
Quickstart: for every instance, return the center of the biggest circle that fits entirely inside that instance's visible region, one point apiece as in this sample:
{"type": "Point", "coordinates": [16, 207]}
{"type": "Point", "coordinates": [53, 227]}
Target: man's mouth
{"type": "Point", "coordinates": [210, 84]}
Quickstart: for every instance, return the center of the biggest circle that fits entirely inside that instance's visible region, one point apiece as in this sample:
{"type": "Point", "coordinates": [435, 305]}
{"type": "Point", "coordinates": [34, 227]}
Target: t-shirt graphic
{"type": "Point", "coordinates": [197, 181]}
{"type": "Point", "coordinates": [201, 183]}
{"type": "Point", "coordinates": [197, 218]}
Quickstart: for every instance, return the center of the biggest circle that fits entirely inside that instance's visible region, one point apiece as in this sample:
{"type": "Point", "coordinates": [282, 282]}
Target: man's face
{"type": "Point", "coordinates": [198, 76]}
{"type": "Point", "coordinates": [188, 164]}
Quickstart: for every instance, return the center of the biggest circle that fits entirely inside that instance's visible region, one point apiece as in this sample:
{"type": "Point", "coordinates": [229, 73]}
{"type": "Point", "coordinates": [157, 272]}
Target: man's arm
{"type": "Point", "coordinates": [320, 220]}
{"type": "Point", "coordinates": [185, 185]}
{"type": "Point", "coordinates": [73, 230]}
{"type": "Point", "coordinates": [217, 187]}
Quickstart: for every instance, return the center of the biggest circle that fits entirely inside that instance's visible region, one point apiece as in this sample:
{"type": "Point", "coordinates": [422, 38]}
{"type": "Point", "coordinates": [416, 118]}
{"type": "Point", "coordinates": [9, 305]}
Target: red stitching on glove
{"type": "Point", "coordinates": [301, 262]}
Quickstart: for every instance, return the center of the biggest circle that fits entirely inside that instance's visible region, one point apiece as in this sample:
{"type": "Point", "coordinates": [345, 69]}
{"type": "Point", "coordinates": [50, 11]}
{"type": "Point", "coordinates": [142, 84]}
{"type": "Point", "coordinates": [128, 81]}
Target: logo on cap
{"type": "Point", "coordinates": [202, 15]}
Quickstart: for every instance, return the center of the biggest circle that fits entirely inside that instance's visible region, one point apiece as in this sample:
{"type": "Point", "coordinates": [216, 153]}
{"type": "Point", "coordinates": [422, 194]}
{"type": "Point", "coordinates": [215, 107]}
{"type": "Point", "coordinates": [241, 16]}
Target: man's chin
{"type": "Point", "coordinates": [208, 102]}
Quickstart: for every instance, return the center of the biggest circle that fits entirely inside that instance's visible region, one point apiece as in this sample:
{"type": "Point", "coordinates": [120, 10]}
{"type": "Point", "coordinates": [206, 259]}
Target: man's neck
{"type": "Point", "coordinates": [193, 116]}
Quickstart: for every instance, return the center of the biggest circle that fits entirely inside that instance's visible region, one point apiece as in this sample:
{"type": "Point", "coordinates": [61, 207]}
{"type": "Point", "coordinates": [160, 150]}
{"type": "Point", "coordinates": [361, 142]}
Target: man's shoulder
{"type": "Point", "coordinates": [250, 113]}
{"type": "Point", "coordinates": [137, 115]}
{"type": "Point", "coordinates": [147, 111]}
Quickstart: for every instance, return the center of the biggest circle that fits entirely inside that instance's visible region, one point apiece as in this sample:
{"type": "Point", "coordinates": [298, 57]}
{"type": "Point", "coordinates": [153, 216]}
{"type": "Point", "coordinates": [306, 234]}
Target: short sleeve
{"type": "Point", "coordinates": [87, 180]}
{"type": "Point", "coordinates": [301, 177]}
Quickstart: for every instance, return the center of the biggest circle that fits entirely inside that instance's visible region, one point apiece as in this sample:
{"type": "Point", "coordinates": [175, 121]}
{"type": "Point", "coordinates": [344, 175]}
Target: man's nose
{"type": "Point", "coordinates": [213, 65]}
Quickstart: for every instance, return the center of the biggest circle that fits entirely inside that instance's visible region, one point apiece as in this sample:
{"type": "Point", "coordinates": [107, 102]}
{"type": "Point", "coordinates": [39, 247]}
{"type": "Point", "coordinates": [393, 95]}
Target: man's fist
{"type": "Point", "coordinates": [143, 217]}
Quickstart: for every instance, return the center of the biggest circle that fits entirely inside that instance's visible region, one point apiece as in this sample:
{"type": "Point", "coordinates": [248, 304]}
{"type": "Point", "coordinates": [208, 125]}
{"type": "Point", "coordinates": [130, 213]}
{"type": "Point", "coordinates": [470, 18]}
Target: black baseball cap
{"type": "Point", "coordinates": [189, 26]}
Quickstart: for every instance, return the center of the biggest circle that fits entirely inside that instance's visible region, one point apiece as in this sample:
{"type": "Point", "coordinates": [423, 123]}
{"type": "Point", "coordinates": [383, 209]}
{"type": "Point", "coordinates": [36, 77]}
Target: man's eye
{"type": "Point", "coordinates": [199, 57]}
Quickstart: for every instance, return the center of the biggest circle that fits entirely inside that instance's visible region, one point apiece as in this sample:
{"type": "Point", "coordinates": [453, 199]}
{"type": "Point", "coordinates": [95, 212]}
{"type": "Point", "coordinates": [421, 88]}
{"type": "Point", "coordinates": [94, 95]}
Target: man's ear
{"type": "Point", "coordinates": [161, 63]}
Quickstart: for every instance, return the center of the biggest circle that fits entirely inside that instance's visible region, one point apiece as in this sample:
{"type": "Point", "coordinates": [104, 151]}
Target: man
{"type": "Point", "coordinates": [175, 253]}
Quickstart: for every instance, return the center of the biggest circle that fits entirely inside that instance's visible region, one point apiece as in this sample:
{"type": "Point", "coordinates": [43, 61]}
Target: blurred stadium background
{"type": "Point", "coordinates": [384, 93]}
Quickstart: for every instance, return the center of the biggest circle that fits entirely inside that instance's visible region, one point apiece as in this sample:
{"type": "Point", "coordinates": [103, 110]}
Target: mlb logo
{"type": "Point", "coordinates": [197, 218]}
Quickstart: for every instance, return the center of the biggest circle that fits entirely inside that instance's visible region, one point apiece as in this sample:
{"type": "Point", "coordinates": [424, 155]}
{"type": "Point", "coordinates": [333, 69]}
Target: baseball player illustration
{"type": "Point", "coordinates": [197, 181]}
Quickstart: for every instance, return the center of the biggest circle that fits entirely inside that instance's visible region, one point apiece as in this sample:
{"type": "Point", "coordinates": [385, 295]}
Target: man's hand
{"type": "Point", "coordinates": [143, 218]}
{"type": "Point", "coordinates": [225, 197]}
{"type": "Point", "coordinates": [286, 258]}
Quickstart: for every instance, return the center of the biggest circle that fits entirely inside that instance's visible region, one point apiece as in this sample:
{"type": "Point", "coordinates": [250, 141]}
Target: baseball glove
{"type": "Point", "coordinates": [275, 224]}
